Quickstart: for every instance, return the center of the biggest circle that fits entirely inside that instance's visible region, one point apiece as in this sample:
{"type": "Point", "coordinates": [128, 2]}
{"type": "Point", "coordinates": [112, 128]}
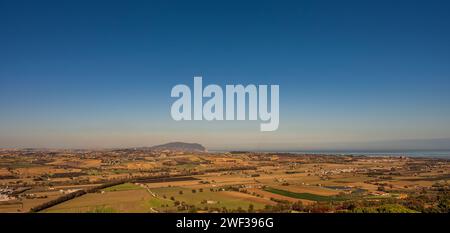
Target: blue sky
{"type": "Point", "coordinates": [352, 74]}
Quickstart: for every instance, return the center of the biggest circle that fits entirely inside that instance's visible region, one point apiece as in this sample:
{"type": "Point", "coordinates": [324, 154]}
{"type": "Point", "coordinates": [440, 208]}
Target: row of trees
{"type": "Point", "coordinates": [72, 195]}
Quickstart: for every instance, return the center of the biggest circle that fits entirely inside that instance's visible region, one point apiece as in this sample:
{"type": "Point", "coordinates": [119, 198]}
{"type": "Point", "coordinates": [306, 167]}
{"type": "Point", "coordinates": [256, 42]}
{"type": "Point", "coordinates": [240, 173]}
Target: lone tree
{"type": "Point", "coordinates": [251, 208]}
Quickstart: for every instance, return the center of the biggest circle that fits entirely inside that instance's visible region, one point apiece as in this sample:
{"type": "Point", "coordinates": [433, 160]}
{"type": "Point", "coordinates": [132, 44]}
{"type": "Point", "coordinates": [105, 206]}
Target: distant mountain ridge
{"type": "Point", "coordinates": [180, 146]}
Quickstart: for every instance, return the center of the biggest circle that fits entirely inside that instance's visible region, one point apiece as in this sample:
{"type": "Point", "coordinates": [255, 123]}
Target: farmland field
{"type": "Point", "coordinates": [128, 198]}
{"type": "Point", "coordinates": [142, 181]}
{"type": "Point", "coordinates": [206, 198]}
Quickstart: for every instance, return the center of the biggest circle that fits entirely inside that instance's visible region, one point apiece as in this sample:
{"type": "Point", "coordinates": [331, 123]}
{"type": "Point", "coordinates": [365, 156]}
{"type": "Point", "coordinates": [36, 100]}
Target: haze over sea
{"type": "Point", "coordinates": [441, 154]}
{"type": "Point", "coordinates": [431, 154]}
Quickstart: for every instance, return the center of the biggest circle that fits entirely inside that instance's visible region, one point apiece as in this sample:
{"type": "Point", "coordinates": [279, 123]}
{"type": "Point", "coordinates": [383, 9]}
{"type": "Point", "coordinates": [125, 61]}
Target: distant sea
{"type": "Point", "coordinates": [428, 154]}
{"type": "Point", "coordinates": [443, 154]}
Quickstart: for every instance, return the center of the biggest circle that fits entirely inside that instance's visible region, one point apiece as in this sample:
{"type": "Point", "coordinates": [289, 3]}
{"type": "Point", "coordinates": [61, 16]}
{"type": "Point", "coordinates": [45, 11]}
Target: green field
{"type": "Point", "coordinates": [216, 199]}
{"type": "Point", "coordinates": [123, 198]}
{"type": "Point", "coordinates": [123, 187]}
{"type": "Point", "coordinates": [305, 196]}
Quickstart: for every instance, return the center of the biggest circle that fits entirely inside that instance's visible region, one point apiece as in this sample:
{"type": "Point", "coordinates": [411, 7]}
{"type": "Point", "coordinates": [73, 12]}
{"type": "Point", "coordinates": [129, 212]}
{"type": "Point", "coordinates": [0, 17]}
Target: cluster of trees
{"type": "Point", "coordinates": [414, 204]}
{"type": "Point", "coordinates": [335, 207]}
{"type": "Point", "coordinates": [195, 191]}
{"type": "Point", "coordinates": [428, 203]}
{"type": "Point", "coordinates": [194, 209]}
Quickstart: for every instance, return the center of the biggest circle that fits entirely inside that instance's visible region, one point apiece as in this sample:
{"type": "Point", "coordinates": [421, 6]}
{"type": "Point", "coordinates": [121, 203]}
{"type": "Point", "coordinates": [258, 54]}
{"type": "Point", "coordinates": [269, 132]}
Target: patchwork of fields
{"type": "Point", "coordinates": [134, 181]}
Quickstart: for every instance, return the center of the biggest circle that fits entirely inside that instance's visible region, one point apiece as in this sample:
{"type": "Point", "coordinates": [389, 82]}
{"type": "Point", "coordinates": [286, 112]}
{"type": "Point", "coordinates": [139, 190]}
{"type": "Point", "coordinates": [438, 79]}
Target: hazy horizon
{"type": "Point", "coordinates": [395, 146]}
